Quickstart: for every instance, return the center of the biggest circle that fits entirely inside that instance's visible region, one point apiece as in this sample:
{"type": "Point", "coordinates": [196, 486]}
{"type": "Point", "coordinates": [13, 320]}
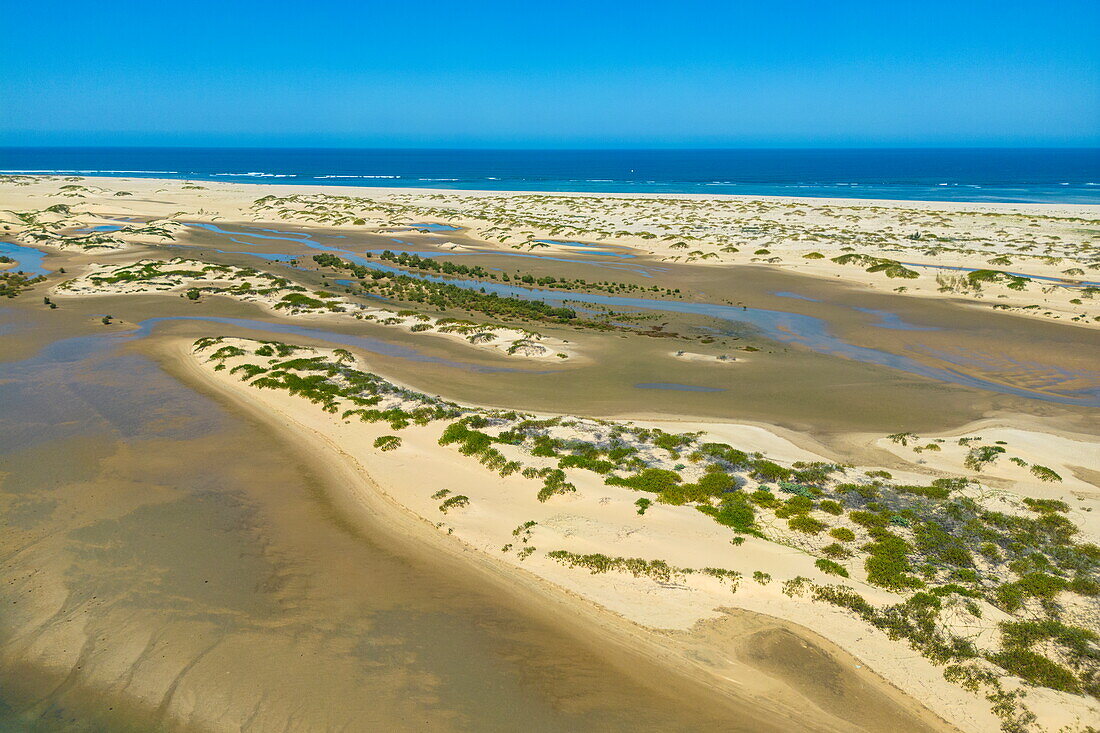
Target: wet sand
{"type": "Point", "coordinates": [203, 593]}
{"type": "Point", "coordinates": [158, 580]}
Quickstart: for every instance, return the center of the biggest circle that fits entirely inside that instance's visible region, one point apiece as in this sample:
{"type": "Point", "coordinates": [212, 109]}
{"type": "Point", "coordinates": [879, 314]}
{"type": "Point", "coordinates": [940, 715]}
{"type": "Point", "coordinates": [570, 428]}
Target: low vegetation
{"type": "Point", "coordinates": [948, 550]}
{"type": "Point", "coordinates": [14, 283]}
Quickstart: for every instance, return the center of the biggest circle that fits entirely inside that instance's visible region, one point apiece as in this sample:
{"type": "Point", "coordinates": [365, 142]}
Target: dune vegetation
{"type": "Point", "coordinates": [986, 584]}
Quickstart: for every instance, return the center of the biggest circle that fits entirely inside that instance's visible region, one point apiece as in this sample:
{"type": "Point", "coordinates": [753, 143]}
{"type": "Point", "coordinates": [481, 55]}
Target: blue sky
{"type": "Point", "coordinates": [679, 73]}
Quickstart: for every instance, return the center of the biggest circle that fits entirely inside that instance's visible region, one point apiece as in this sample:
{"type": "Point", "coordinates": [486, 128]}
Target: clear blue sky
{"type": "Point", "coordinates": [564, 73]}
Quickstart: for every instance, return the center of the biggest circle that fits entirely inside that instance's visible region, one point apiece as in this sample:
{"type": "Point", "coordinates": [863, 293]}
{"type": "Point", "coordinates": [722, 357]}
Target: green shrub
{"type": "Point", "coordinates": [805, 523]}
{"type": "Point", "coordinates": [1025, 634]}
{"type": "Point", "coordinates": [1044, 474]}
{"type": "Point", "coordinates": [387, 442]}
{"type": "Point", "coordinates": [1085, 586]}
{"type": "Point", "coordinates": [888, 563]}
{"type": "Point", "coordinates": [831, 568]}
{"type": "Point", "coordinates": [767, 471]}
{"type": "Point", "coordinates": [454, 502]}
{"type": "Point", "coordinates": [596, 563]}
{"type": "Point", "coordinates": [842, 533]}
{"type": "Point", "coordinates": [591, 464]}
{"type": "Point", "coordinates": [1041, 585]}
{"type": "Point", "coordinates": [1036, 669]}
{"type": "Point", "coordinates": [654, 480]}
{"type": "Point", "coordinates": [737, 514]}
{"type": "Point", "coordinates": [726, 453]}
{"type": "Point", "coordinates": [1044, 506]}
{"type": "Point", "coordinates": [794, 505]}
{"type": "Point", "coordinates": [978, 457]}
{"type": "Point", "coordinates": [867, 519]}
{"type": "Point", "coordinates": [472, 441]}
{"type": "Point", "coordinates": [930, 492]}
{"type": "Point", "coordinates": [764, 498]}
{"type": "Point", "coordinates": [836, 550]}
{"type": "Point", "coordinates": [716, 482]}
{"type": "Point", "coordinates": [902, 438]}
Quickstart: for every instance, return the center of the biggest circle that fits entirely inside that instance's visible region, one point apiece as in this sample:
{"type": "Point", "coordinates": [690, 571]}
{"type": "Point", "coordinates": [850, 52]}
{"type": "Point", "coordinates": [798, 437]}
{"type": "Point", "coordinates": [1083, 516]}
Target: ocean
{"type": "Point", "coordinates": [1026, 175]}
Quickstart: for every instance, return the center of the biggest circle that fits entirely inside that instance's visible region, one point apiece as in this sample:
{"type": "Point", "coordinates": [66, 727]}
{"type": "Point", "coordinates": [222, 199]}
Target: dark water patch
{"type": "Point", "coordinates": [1042, 376]}
{"type": "Point", "coordinates": [643, 271]}
{"type": "Point", "coordinates": [308, 240]}
{"type": "Point", "coordinates": [76, 442]}
{"type": "Point", "coordinates": [85, 378]}
{"type": "Point", "coordinates": [176, 568]}
{"type": "Point", "coordinates": [11, 322]}
{"type": "Point", "coordinates": [281, 236]}
{"type": "Point", "coordinates": [793, 328]}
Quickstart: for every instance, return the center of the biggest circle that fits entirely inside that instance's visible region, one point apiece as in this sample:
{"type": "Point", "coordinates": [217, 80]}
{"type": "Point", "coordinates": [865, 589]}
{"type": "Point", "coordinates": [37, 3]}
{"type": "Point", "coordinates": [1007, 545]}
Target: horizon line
{"type": "Point", "coordinates": [546, 149]}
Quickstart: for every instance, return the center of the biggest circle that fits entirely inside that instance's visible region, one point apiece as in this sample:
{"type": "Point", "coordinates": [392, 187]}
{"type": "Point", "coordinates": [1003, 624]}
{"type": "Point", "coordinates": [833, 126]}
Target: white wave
{"type": "Point", "coordinates": [259, 174]}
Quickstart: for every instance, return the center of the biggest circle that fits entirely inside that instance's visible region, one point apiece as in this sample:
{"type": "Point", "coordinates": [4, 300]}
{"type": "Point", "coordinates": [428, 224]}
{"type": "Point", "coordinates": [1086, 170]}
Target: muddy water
{"type": "Point", "coordinates": [169, 565]}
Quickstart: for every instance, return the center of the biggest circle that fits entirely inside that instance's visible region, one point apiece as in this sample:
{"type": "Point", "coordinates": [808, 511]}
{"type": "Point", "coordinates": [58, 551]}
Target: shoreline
{"type": "Point", "coordinates": [331, 188]}
{"type": "Point", "coordinates": [300, 423]}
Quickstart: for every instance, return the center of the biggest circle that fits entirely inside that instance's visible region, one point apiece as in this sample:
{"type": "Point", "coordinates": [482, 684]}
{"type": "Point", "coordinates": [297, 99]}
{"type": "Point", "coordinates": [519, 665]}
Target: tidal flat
{"type": "Point", "coordinates": [275, 457]}
{"type": "Point", "coordinates": [173, 565]}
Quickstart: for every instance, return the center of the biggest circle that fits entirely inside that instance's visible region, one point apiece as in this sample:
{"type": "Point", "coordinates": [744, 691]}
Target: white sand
{"type": "Point", "coordinates": [604, 519]}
